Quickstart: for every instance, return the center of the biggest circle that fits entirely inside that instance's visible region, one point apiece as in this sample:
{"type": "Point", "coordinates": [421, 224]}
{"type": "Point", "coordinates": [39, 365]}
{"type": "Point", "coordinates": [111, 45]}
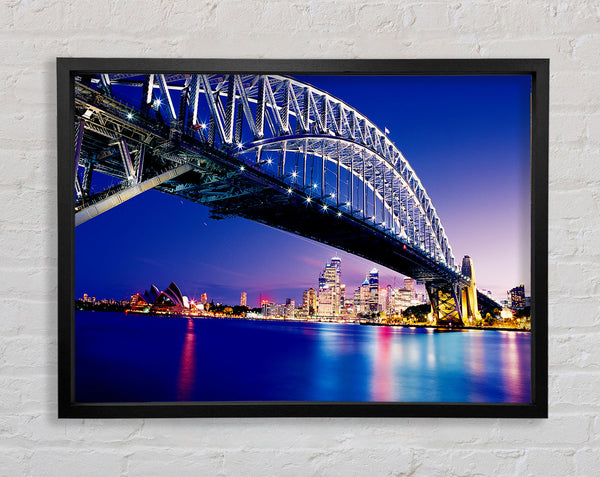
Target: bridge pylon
{"type": "Point", "coordinates": [455, 303]}
{"type": "Point", "coordinates": [469, 294]}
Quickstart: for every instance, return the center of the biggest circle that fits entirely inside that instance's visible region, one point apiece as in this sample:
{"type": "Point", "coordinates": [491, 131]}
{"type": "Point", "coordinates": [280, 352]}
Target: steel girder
{"type": "Point", "coordinates": [313, 141]}
{"type": "Point", "coordinates": [281, 117]}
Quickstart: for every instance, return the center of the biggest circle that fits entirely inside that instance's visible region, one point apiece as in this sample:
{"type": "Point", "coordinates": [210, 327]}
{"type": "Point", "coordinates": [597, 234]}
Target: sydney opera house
{"type": "Point", "coordinates": [168, 302]}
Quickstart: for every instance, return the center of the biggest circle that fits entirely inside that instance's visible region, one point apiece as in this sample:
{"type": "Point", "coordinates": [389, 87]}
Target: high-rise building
{"type": "Point", "coordinates": [244, 299]}
{"type": "Point", "coordinates": [356, 301]}
{"type": "Point", "coordinates": [403, 298]}
{"type": "Point", "coordinates": [268, 309]}
{"type": "Point", "coordinates": [363, 302]}
{"type": "Point", "coordinates": [517, 297]}
{"type": "Point", "coordinates": [330, 288]}
{"type": "Point", "coordinates": [309, 301]}
{"type": "Point", "coordinates": [383, 294]}
{"type": "Point", "coordinates": [373, 278]}
{"type": "Point", "coordinates": [390, 305]}
{"type": "Point", "coordinates": [409, 284]}
{"type": "Point", "coordinates": [204, 298]}
{"type": "Point", "coordinates": [342, 298]}
{"type": "Point", "coordinates": [290, 307]}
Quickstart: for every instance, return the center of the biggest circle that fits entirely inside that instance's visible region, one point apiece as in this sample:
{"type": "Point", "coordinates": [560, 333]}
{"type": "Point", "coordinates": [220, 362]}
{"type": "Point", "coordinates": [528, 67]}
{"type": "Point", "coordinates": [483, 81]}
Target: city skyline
{"type": "Point", "coordinates": [489, 223]}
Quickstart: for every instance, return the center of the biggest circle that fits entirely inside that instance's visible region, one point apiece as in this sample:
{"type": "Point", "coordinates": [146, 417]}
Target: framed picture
{"type": "Point", "coordinates": [302, 237]}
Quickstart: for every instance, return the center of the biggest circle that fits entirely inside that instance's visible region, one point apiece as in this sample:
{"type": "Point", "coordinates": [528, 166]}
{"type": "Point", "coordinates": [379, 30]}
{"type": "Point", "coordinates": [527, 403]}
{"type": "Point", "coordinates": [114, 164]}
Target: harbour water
{"type": "Point", "coordinates": [121, 358]}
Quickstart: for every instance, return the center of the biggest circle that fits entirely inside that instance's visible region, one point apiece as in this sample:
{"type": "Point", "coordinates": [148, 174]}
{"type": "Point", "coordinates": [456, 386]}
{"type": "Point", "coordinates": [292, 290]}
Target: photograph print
{"type": "Point", "coordinates": [301, 238]}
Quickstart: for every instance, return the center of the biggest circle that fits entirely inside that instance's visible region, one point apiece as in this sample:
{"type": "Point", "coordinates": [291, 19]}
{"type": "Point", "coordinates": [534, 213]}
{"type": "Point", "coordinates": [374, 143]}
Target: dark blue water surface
{"type": "Point", "coordinates": [121, 358]}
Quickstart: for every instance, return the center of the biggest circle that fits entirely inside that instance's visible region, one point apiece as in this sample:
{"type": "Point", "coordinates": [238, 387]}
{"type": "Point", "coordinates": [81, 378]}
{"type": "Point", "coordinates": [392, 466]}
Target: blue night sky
{"type": "Point", "coordinates": [468, 140]}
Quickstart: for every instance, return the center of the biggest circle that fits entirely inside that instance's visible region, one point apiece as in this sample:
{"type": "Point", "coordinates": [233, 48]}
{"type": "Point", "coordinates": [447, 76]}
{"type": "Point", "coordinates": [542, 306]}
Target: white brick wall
{"type": "Point", "coordinates": [34, 442]}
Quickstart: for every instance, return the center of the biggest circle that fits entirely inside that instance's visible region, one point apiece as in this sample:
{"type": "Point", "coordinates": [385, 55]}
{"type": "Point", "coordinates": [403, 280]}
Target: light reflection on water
{"type": "Point", "coordinates": [187, 365]}
{"type": "Point", "coordinates": [120, 359]}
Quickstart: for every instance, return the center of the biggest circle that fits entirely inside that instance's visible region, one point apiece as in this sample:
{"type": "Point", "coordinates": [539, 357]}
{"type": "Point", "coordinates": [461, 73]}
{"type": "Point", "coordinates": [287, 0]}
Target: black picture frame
{"type": "Point", "coordinates": [538, 69]}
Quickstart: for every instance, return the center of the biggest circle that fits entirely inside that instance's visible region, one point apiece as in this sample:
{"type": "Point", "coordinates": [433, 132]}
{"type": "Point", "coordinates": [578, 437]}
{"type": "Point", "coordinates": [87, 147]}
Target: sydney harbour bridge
{"type": "Point", "coordinates": [274, 150]}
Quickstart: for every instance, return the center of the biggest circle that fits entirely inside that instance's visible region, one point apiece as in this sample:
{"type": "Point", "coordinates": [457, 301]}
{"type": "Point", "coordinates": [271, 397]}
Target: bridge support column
{"type": "Point", "coordinates": [117, 198]}
{"type": "Point", "coordinates": [469, 293]}
{"type": "Point", "coordinates": [446, 303]}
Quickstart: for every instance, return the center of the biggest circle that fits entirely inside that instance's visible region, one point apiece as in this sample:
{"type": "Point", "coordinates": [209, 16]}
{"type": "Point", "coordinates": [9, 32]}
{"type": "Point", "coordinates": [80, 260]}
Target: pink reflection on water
{"type": "Point", "coordinates": [187, 365]}
{"type": "Point", "coordinates": [381, 387]}
{"type": "Point", "coordinates": [512, 368]}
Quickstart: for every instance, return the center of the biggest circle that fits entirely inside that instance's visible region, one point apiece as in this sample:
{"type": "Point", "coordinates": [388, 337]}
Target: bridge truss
{"type": "Point", "coordinates": [258, 146]}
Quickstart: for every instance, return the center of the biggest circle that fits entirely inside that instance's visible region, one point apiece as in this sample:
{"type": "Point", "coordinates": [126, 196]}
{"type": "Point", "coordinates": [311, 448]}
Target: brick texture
{"type": "Point", "coordinates": [34, 442]}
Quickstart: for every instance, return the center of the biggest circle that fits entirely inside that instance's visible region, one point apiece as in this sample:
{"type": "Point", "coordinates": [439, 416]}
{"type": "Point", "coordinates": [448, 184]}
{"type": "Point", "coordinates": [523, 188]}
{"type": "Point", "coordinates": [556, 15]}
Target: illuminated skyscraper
{"type": "Point", "coordinates": [373, 278]}
{"type": "Point", "coordinates": [363, 302]}
{"type": "Point", "coordinates": [383, 297]}
{"type": "Point", "coordinates": [204, 298]}
{"type": "Point", "coordinates": [390, 305]}
{"type": "Point", "coordinates": [244, 299]}
{"type": "Point", "coordinates": [356, 301]}
{"type": "Point", "coordinates": [330, 289]}
{"type": "Point", "coordinates": [309, 301]}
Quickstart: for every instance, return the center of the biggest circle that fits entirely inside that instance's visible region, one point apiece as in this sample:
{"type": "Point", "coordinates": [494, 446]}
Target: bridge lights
{"type": "Point", "coordinates": [314, 186]}
{"type": "Point", "coordinates": [339, 214]}
{"type": "Point", "coordinates": [289, 191]}
{"type": "Point", "coordinates": [294, 174]}
{"type": "Point", "coordinates": [203, 125]}
{"type": "Point", "coordinates": [269, 161]}
{"type": "Point", "coordinates": [308, 199]}
{"type": "Point", "coordinates": [130, 116]}
{"type": "Point", "coordinates": [240, 145]}
{"type": "Point", "coordinates": [156, 104]}
{"type": "Point", "coordinates": [242, 168]}
{"type": "Point", "coordinates": [324, 206]}
{"type": "Point", "coordinates": [332, 195]}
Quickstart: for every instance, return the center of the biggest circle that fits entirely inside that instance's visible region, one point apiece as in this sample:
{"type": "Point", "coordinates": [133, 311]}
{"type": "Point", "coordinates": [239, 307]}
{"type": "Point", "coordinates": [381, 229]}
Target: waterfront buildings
{"type": "Point", "coordinates": [268, 309]}
{"type": "Point", "coordinates": [244, 299]}
{"type": "Point", "coordinates": [204, 298]}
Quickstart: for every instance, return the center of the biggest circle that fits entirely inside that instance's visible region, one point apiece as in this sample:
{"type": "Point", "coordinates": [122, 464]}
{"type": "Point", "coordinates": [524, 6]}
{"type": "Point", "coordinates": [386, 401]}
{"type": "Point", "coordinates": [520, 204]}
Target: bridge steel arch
{"type": "Point", "coordinates": [239, 135]}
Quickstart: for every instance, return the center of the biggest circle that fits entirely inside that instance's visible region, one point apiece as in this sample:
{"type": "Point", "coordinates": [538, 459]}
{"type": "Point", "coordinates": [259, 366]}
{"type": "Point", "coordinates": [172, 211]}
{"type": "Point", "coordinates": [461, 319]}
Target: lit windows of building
{"type": "Point", "coordinates": [517, 297]}
{"type": "Point", "coordinates": [364, 297]}
{"type": "Point", "coordinates": [309, 302]}
{"type": "Point", "coordinates": [356, 301]}
{"type": "Point", "coordinates": [204, 298]}
{"type": "Point", "coordinates": [290, 307]}
{"type": "Point", "coordinates": [326, 301]}
{"type": "Point", "coordinates": [409, 284]}
{"type": "Point", "coordinates": [244, 299]}
{"type": "Point", "coordinates": [269, 309]}
{"type": "Point", "coordinates": [390, 305]}
{"type": "Point", "coordinates": [330, 288]}
{"type": "Point", "coordinates": [373, 278]}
